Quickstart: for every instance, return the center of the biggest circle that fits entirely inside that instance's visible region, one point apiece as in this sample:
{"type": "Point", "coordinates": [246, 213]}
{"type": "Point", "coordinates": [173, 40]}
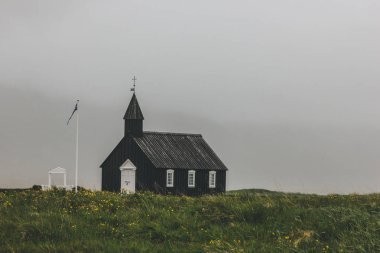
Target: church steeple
{"type": "Point", "coordinates": [133, 119]}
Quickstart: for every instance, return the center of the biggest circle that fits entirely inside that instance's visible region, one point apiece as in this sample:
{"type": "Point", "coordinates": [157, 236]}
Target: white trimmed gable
{"type": "Point", "coordinates": [128, 165]}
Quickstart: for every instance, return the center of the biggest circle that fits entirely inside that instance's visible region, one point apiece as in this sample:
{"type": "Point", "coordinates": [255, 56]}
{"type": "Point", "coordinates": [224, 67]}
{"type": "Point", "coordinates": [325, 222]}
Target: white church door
{"type": "Point", "coordinates": [128, 177]}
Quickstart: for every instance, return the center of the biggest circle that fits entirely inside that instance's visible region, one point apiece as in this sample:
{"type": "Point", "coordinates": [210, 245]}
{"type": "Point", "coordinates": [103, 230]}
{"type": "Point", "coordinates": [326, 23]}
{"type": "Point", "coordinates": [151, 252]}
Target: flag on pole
{"type": "Point", "coordinates": [75, 109]}
{"type": "Point", "coordinates": [77, 144]}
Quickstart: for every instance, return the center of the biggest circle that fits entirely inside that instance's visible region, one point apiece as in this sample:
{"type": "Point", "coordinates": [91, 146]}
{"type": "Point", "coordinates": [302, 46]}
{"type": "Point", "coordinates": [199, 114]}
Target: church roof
{"type": "Point", "coordinates": [179, 151]}
{"type": "Point", "coordinates": [133, 111]}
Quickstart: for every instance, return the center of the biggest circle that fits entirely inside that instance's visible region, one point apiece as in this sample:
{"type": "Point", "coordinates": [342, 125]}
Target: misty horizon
{"type": "Point", "coordinates": [285, 92]}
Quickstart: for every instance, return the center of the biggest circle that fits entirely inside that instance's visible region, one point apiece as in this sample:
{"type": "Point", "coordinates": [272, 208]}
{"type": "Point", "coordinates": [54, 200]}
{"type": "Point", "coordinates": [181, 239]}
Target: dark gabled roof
{"type": "Point", "coordinates": [133, 111]}
{"type": "Point", "coordinates": [179, 151]}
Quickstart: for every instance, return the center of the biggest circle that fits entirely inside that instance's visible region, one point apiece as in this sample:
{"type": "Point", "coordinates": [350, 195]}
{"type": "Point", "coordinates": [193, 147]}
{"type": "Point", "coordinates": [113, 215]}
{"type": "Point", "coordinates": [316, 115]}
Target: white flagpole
{"type": "Point", "coordinates": [76, 157]}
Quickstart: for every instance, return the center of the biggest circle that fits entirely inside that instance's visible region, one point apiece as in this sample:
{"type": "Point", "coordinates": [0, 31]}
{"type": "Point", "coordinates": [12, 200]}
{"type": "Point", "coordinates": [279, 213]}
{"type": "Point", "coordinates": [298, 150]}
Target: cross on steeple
{"type": "Point", "coordinates": [134, 84]}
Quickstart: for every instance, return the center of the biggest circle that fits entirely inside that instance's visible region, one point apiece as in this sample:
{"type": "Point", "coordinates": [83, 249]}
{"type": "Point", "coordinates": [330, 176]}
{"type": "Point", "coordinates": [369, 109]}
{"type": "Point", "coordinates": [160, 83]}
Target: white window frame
{"type": "Point", "coordinates": [191, 173]}
{"type": "Point", "coordinates": [212, 175]}
{"type": "Point", "coordinates": [168, 183]}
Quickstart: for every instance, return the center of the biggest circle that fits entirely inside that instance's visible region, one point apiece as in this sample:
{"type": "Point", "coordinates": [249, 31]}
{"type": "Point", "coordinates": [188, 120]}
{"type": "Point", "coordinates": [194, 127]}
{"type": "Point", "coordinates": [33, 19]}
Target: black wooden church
{"type": "Point", "coordinates": [173, 163]}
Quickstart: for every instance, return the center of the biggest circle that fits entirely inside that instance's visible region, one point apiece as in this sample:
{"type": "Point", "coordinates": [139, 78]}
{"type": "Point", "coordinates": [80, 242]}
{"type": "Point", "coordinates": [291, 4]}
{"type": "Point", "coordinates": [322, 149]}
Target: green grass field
{"type": "Point", "coordinates": [241, 221]}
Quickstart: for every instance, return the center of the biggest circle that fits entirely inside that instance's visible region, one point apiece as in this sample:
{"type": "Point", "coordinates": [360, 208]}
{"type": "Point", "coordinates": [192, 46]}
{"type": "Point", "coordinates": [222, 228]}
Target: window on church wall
{"type": "Point", "coordinates": [191, 178]}
{"type": "Point", "coordinates": [169, 178]}
{"type": "Point", "coordinates": [212, 179]}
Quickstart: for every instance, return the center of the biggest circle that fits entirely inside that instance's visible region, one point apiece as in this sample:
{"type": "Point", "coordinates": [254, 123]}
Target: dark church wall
{"type": "Point", "coordinates": [145, 173]}
{"type": "Point", "coordinates": [201, 183]}
{"type": "Point", "coordinates": [133, 127]}
{"type": "Point", "coordinates": [110, 168]}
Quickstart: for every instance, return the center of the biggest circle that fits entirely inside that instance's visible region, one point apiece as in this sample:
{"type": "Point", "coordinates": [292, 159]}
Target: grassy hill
{"type": "Point", "coordinates": [246, 221]}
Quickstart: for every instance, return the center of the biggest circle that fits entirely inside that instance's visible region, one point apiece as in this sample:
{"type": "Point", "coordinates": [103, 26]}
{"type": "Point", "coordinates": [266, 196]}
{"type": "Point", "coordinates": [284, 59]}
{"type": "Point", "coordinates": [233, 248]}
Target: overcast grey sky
{"type": "Point", "coordinates": [286, 92]}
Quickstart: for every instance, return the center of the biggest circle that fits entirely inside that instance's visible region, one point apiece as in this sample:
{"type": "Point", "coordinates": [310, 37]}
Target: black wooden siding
{"type": "Point", "coordinates": [111, 177]}
{"type": "Point", "coordinates": [201, 182]}
{"type": "Point", "coordinates": [150, 178]}
{"type": "Point", "coordinates": [111, 174]}
{"type": "Point", "coordinates": [133, 127]}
